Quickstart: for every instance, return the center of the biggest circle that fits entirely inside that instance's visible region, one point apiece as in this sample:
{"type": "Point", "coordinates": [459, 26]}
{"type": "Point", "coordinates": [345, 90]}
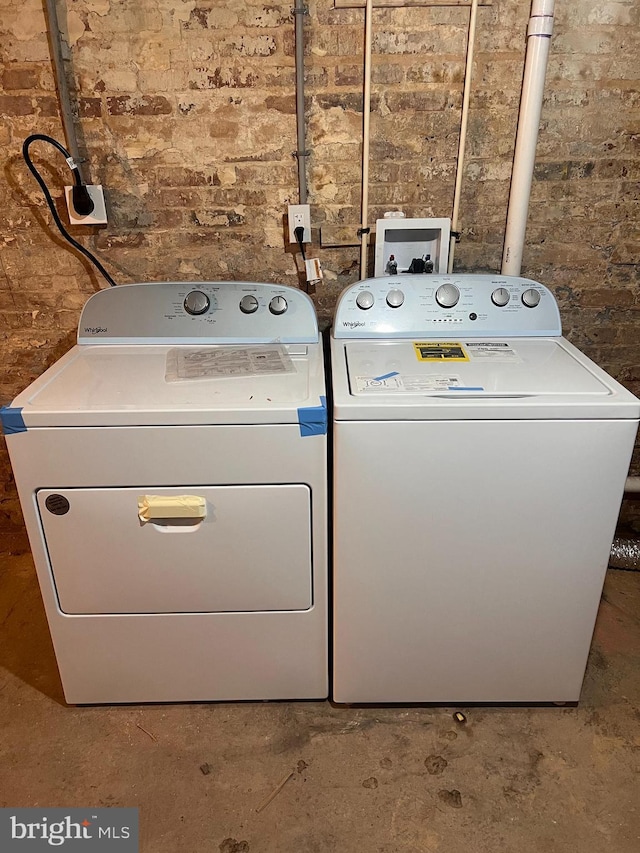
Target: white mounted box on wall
{"type": "Point", "coordinates": [407, 239]}
{"type": "Point", "coordinates": [99, 214]}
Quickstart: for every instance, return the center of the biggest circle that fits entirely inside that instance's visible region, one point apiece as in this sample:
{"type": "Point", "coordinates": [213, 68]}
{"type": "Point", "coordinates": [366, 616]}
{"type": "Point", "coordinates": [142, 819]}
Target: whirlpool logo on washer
{"type": "Point", "coordinates": [94, 330]}
{"type": "Point", "coordinates": [353, 324]}
{"type": "Point", "coordinates": [105, 829]}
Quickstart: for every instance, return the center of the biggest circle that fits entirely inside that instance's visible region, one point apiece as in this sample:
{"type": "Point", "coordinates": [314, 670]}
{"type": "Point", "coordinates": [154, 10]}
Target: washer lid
{"type": "Point", "coordinates": [128, 386]}
{"type": "Point", "coordinates": [474, 378]}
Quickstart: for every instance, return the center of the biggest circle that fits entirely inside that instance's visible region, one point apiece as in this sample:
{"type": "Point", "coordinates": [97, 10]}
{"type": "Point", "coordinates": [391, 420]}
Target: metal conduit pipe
{"type": "Point", "coordinates": [299, 11]}
{"type": "Point", "coordinates": [55, 46]}
{"type": "Point", "coordinates": [538, 41]}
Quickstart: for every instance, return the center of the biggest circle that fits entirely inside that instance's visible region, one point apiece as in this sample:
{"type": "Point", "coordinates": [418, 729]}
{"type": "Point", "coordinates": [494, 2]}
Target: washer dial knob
{"type": "Point", "coordinates": [395, 298]}
{"type": "Point", "coordinates": [500, 297]}
{"type": "Point", "coordinates": [364, 300]}
{"type": "Point", "coordinates": [447, 295]}
{"type": "Point", "coordinates": [531, 297]}
{"type": "Point", "coordinates": [196, 302]}
{"type": "Point", "coordinates": [248, 304]}
{"type": "Point", "coordinates": [278, 305]}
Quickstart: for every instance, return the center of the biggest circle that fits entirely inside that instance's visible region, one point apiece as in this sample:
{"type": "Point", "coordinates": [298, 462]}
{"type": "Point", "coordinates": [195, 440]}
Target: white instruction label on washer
{"type": "Point", "coordinates": [389, 382]}
{"type": "Point", "coordinates": [217, 362]}
{"type": "Point", "coordinates": [431, 382]}
{"type": "Point", "coordinates": [491, 350]}
{"type": "Point", "coordinates": [413, 383]}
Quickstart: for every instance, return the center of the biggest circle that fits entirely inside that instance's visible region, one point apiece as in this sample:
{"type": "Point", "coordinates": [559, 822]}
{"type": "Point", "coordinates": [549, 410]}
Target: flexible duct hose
{"type": "Point", "coordinates": [625, 554]}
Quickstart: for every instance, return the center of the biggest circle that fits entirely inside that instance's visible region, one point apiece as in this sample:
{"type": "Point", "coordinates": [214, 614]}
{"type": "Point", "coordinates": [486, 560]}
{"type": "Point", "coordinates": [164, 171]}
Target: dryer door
{"type": "Point", "coordinates": [250, 552]}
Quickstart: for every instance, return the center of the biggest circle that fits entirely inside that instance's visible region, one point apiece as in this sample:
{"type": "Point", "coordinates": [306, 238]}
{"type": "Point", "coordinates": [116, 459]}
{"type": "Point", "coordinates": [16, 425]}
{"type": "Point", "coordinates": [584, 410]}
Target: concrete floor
{"type": "Point", "coordinates": [531, 780]}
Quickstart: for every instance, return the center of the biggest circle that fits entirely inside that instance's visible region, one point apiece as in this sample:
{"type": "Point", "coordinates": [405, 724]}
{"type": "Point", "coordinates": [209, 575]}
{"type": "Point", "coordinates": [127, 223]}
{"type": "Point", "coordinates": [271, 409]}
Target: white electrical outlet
{"type": "Point", "coordinates": [299, 215]}
{"type": "Point", "coordinates": [98, 215]}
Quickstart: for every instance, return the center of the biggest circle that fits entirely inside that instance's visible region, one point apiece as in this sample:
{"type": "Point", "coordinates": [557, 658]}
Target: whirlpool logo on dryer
{"type": "Point", "coordinates": [353, 324]}
{"type": "Point", "coordinates": [94, 330]}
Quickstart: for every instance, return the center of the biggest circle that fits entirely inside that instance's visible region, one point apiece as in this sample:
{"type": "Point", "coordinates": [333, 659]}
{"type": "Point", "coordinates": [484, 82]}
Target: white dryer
{"type": "Point", "coordinates": [479, 467]}
{"type": "Point", "coordinates": [172, 473]}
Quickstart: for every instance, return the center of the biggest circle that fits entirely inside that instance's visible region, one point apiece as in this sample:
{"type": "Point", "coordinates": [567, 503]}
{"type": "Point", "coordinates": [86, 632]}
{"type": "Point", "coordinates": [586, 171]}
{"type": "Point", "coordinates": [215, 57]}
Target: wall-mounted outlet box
{"type": "Point", "coordinates": [98, 215]}
{"type": "Point", "coordinates": [299, 215]}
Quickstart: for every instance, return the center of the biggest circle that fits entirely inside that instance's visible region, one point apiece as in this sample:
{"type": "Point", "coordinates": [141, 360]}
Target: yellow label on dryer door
{"type": "Point", "coordinates": [440, 351]}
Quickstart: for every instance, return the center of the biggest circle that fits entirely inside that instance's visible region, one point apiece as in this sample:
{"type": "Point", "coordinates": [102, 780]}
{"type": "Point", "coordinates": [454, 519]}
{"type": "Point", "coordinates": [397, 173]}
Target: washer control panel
{"type": "Point", "coordinates": [402, 306]}
{"type": "Point", "coordinates": [198, 312]}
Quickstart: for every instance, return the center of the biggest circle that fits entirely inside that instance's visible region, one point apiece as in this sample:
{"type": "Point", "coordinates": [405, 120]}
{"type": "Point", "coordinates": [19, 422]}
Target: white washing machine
{"type": "Point", "coordinates": [172, 473]}
{"type": "Point", "coordinates": [479, 467]}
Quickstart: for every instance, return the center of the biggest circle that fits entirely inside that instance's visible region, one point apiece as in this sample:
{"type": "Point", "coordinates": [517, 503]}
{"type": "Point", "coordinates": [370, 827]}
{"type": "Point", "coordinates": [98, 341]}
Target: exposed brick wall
{"type": "Point", "coordinates": [187, 115]}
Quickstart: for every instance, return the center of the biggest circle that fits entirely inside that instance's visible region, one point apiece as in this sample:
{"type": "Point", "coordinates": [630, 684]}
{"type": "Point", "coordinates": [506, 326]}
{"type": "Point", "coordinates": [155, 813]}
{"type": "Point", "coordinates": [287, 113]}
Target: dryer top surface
{"type": "Point", "coordinates": [140, 385]}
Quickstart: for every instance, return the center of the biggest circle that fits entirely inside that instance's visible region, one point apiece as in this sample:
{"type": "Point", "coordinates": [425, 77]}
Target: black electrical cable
{"type": "Point", "coordinates": [78, 188]}
{"type": "Point", "coordinates": [299, 234]}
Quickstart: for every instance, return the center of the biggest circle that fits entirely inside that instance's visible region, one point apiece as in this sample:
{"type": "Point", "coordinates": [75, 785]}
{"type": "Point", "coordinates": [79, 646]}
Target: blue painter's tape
{"type": "Point", "coordinates": [11, 420]}
{"type": "Point", "coordinates": [386, 376]}
{"type": "Point", "coordinates": [313, 419]}
{"type": "Point", "coordinates": [465, 388]}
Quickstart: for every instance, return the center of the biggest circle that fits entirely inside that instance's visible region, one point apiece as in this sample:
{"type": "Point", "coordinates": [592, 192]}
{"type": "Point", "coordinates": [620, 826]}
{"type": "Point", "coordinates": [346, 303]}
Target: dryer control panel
{"type": "Point", "coordinates": [406, 306]}
{"type": "Point", "coordinates": [198, 312]}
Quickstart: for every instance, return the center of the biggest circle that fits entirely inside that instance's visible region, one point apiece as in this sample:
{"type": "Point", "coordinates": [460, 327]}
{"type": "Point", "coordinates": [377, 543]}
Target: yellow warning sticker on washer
{"type": "Point", "coordinates": [440, 351]}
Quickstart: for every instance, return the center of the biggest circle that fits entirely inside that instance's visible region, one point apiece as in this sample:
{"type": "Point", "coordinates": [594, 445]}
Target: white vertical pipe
{"type": "Point", "coordinates": [538, 41]}
{"type": "Point", "coordinates": [366, 110]}
{"type": "Point", "coordinates": [464, 120]}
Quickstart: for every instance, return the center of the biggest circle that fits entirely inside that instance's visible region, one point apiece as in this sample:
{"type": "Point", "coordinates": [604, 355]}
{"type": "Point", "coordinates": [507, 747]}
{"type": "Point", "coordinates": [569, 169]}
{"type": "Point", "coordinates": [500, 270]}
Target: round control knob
{"type": "Point", "coordinates": [500, 297]}
{"type": "Point", "coordinates": [278, 305]}
{"type": "Point", "coordinates": [447, 295]}
{"type": "Point", "coordinates": [364, 300]}
{"type": "Point", "coordinates": [395, 298]}
{"type": "Point", "coordinates": [196, 302]}
{"type": "Point", "coordinates": [248, 304]}
{"type": "Point", "coordinates": [531, 297]}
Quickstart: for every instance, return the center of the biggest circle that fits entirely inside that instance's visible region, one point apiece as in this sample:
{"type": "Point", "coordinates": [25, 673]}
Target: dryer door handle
{"type": "Point", "coordinates": [179, 509]}
{"type": "Point", "coordinates": [174, 525]}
